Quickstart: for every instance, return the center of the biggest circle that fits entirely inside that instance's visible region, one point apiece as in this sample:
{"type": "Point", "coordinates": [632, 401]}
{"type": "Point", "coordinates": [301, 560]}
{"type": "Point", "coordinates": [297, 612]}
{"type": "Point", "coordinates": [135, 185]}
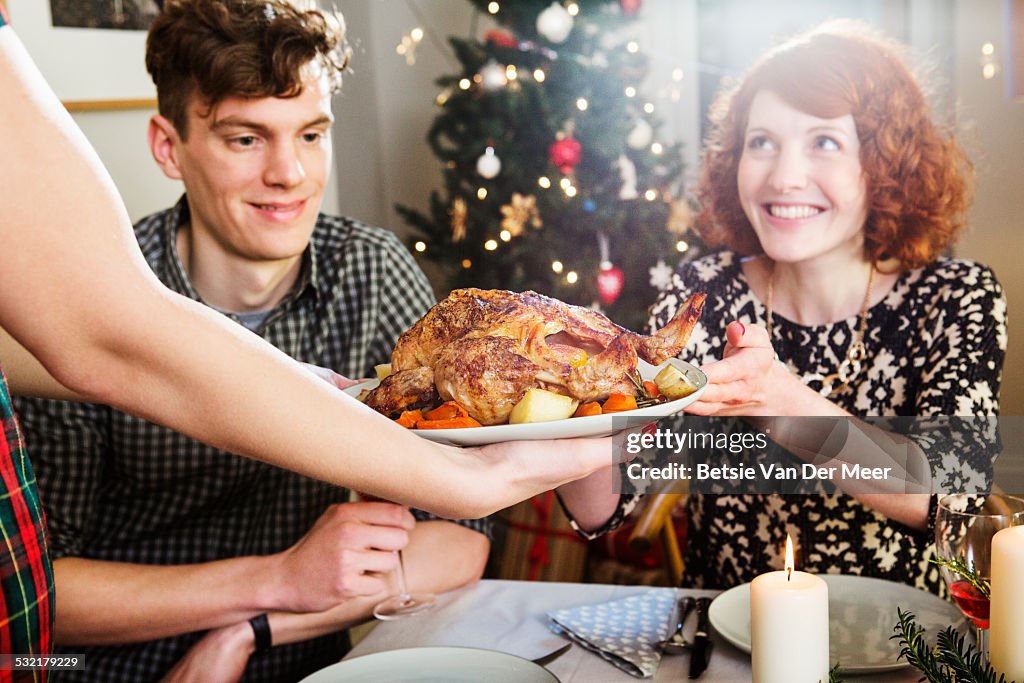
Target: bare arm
{"type": "Point", "coordinates": [83, 301]}
{"type": "Point", "coordinates": [346, 555]}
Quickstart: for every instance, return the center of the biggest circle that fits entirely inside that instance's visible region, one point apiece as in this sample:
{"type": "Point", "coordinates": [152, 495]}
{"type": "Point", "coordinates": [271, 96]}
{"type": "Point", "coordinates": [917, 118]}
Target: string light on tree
{"type": "Point", "coordinates": [407, 48]}
{"type": "Point", "coordinates": [557, 266]}
{"type": "Point", "coordinates": [420, 246]}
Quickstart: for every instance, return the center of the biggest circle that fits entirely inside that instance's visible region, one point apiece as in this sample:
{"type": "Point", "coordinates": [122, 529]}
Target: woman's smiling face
{"type": "Point", "coordinates": [801, 183]}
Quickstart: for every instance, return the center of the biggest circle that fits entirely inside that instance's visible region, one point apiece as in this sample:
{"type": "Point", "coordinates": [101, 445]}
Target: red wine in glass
{"type": "Point", "coordinates": [963, 531]}
{"type": "Point", "coordinates": [971, 602]}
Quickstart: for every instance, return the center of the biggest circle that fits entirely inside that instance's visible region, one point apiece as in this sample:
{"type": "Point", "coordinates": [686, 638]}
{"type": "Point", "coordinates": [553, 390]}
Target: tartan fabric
{"type": "Point", "coordinates": [121, 489]}
{"type": "Point", "coordinates": [26, 576]}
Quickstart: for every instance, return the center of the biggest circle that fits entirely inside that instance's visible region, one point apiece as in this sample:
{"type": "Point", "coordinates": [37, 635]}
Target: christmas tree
{"type": "Point", "coordinates": [554, 177]}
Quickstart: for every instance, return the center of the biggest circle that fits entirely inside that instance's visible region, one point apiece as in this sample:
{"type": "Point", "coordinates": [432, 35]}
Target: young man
{"type": "Point", "coordinates": [157, 538]}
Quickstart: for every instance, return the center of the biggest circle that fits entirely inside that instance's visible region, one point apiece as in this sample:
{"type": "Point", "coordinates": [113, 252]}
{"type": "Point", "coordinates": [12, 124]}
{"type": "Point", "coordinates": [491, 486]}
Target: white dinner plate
{"type": "Point", "coordinates": [434, 665]}
{"type": "Point", "coordinates": [594, 425]}
{"type": "Point", "coordinates": [861, 617]}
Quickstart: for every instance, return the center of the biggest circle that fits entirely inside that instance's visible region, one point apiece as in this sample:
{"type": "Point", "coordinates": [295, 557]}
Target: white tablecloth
{"type": "Point", "coordinates": [511, 616]}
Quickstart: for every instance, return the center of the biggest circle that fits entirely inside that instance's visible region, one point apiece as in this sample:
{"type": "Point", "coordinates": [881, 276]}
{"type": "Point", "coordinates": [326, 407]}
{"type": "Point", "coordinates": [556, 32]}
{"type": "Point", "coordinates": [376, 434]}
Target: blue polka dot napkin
{"type": "Point", "coordinates": [623, 631]}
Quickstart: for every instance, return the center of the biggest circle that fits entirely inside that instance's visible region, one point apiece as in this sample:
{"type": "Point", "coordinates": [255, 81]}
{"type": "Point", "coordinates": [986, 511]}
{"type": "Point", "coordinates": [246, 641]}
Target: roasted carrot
{"type": "Point", "coordinates": [451, 423]}
{"type": "Point", "coordinates": [446, 411]}
{"type": "Point", "coordinates": [588, 409]}
{"type": "Point", "coordinates": [409, 418]}
{"type": "Point", "coordinates": [652, 389]}
{"type": "Point", "coordinates": [618, 403]}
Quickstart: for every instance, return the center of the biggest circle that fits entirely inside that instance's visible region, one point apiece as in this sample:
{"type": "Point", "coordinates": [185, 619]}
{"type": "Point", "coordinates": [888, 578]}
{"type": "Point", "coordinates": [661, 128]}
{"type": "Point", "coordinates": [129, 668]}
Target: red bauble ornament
{"type": "Point", "coordinates": [609, 283]}
{"type": "Point", "coordinates": [565, 153]}
{"type": "Point", "coordinates": [501, 38]}
{"type": "Point", "coordinates": [630, 7]}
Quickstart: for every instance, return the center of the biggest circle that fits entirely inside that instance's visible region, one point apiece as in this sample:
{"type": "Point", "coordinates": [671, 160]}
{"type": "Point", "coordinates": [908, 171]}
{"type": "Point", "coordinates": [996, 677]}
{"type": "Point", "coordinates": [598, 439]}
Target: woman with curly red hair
{"type": "Point", "coordinates": [834, 194]}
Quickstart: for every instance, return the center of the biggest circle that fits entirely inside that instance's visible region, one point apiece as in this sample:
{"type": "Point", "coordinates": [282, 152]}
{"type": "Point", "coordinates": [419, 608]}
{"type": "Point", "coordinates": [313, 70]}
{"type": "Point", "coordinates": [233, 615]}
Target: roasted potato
{"type": "Point", "coordinates": [673, 383]}
{"type": "Point", "coordinates": [540, 405]}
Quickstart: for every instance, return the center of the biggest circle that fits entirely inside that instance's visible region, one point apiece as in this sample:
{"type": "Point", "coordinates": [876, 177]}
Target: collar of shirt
{"type": "Point", "coordinates": [308, 284]}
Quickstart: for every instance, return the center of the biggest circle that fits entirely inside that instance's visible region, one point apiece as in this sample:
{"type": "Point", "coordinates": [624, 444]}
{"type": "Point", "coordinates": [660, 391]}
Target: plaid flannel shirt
{"type": "Point", "coordinates": [26, 577]}
{"type": "Point", "coordinates": [121, 489]}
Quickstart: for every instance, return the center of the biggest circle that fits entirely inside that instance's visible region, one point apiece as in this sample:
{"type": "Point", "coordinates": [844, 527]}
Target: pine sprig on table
{"type": "Point", "coordinates": [952, 660]}
{"type": "Point", "coordinates": [957, 565]}
{"type": "Point", "coordinates": [964, 663]}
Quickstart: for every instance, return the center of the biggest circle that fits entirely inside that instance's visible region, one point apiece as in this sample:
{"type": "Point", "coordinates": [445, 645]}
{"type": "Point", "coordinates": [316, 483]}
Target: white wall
{"type": "Point", "coordinates": [993, 127]}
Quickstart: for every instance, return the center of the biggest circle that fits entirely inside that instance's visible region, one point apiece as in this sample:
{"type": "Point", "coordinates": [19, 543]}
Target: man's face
{"type": "Point", "coordinates": [255, 171]}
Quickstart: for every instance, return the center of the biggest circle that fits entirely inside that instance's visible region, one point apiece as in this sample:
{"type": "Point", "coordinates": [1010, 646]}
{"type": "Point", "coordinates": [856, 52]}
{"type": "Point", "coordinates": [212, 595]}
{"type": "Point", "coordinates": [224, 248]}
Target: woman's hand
{"type": "Point", "coordinates": [748, 380]}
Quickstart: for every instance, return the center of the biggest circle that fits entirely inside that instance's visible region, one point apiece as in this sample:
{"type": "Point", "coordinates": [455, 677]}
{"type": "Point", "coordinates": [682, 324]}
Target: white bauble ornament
{"type": "Point", "coordinates": [627, 174]}
{"type": "Point", "coordinates": [488, 165]}
{"type": "Point", "coordinates": [640, 136]}
{"type": "Point", "coordinates": [555, 23]}
{"type": "Point", "coordinates": [493, 76]}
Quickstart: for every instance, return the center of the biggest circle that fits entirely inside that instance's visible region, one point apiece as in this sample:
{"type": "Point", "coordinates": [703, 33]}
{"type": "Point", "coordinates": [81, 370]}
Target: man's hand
{"type": "Point", "coordinates": [330, 376]}
{"type": "Point", "coordinates": [219, 657]}
{"type": "Point", "coordinates": [347, 553]}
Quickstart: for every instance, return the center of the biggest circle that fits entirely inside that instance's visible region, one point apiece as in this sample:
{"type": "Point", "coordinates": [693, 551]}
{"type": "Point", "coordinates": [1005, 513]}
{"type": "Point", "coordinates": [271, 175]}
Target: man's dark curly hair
{"type": "Point", "coordinates": [215, 49]}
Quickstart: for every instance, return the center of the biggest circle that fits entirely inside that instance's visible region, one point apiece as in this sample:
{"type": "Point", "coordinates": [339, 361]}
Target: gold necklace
{"type": "Point", "coordinates": [851, 365]}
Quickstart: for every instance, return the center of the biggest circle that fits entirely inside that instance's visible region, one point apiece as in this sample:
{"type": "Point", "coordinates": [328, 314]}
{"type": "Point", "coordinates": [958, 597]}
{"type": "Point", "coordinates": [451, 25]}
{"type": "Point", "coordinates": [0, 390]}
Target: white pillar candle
{"type": "Point", "coordinates": [789, 626]}
{"type": "Point", "coordinates": [1006, 613]}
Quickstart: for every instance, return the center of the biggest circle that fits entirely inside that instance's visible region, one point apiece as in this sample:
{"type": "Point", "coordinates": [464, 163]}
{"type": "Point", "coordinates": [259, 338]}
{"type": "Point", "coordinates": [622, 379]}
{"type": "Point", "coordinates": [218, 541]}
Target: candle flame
{"type": "Point", "coordinates": [790, 563]}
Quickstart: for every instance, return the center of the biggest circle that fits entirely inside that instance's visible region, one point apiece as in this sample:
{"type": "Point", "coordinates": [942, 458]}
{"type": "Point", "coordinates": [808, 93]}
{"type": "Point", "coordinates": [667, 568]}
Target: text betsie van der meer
{"type": "Point", "coordinates": [665, 440]}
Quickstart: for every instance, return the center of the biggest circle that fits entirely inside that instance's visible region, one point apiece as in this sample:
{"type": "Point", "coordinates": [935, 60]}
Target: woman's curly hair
{"type": "Point", "coordinates": [919, 179]}
{"type": "Point", "coordinates": [215, 49]}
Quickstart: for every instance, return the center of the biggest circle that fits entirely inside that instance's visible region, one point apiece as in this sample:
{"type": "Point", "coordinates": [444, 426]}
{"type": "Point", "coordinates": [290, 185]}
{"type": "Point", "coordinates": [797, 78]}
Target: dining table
{"type": "Point", "coordinates": [511, 617]}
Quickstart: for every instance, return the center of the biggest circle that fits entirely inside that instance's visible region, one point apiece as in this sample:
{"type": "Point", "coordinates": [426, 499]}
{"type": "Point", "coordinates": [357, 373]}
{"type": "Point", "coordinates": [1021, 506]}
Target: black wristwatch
{"type": "Point", "coordinates": [261, 630]}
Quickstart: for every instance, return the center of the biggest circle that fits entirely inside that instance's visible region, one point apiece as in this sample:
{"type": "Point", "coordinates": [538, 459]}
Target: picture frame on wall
{"type": "Point", "coordinates": [128, 15]}
{"type": "Point", "coordinates": [92, 52]}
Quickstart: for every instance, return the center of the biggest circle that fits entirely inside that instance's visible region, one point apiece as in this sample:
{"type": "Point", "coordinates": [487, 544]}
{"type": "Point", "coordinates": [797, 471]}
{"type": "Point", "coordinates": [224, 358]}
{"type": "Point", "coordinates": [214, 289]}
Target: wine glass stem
{"type": "Point", "coordinates": [981, 641]}
{"type": "Point", "coordinates": [403, 592]}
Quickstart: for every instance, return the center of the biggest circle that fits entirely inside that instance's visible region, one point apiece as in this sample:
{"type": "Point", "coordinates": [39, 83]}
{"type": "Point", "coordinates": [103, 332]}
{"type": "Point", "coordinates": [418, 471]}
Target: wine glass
{"type": "Point", "coordinates": [403, 603]}
{"type": "Point", "coordinates": [964, 533]}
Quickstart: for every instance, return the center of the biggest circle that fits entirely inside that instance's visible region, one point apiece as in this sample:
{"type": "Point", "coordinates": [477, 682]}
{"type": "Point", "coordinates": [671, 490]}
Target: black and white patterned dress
{"type": "Point", "coordinates": [935, 346]}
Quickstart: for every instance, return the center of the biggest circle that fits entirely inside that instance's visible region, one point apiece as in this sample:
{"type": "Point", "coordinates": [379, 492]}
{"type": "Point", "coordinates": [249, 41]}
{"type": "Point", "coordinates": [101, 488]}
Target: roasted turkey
{"type": "Point", "coordinates": [485, 348]}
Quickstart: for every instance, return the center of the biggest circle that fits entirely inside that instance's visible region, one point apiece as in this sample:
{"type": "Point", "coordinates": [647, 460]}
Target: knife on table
{"type": "Point", "coordinates": [700, 651]}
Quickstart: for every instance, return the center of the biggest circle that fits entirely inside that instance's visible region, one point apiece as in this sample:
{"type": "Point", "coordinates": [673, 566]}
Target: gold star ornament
{"type": "Point", "coordinates": [458, 214]}
{"type": "Point", "coordinates": [522, 209]}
